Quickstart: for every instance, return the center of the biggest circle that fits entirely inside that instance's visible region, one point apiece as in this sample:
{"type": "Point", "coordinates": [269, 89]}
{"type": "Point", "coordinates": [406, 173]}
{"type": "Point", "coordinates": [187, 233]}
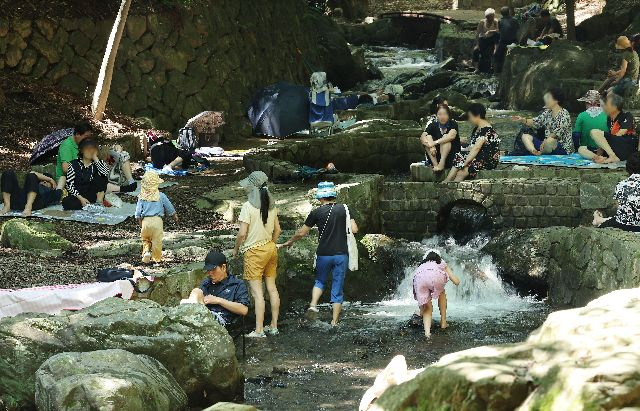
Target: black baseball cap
{"type": "Point", "coordinates": [213, 260]}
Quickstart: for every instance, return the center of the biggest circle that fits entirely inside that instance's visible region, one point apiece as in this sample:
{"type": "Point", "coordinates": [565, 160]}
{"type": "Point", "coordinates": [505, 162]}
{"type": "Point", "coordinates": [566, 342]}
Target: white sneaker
{"type": "Point", "coordinates": [146, 258]}
{"type": "Point", "coordinates": [254, 334]}
{"type": "Point", "coordinates": [271, 331]}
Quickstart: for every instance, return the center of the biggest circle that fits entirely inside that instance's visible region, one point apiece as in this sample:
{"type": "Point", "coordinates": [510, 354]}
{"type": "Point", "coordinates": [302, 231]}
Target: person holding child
{"type": "Point", "coordinates": [429, 283]}
{"type": "Point", "coordinates": [151, 208]}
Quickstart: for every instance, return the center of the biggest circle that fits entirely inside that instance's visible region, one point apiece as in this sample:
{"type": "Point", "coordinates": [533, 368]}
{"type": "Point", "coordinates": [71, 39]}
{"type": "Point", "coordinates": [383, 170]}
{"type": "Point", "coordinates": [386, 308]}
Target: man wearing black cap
{"type": "Point", "coordinates": [225, 295]}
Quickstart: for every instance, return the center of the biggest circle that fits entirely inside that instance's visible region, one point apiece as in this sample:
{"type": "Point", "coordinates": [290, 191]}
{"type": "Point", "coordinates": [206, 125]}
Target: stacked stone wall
{"type": "Point", "coordinates": [172, 66]}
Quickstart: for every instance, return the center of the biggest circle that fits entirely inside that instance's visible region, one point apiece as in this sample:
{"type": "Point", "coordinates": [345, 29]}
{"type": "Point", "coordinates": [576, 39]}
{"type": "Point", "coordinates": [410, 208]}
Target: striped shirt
{"type": "Point", "coordinates": [79, 174]}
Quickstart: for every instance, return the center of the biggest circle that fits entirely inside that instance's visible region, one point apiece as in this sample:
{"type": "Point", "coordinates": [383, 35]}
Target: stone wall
{"type": "Point", "coordinates": [173, 66]}
{"type": "Point", "coordinates": [573, 265]}
{"type": "Point", "coordinates": [356, 151]}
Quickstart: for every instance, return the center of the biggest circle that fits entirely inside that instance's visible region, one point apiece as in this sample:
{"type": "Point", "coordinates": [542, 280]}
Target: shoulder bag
{"type": "Point", "coordinates": [352, 243]}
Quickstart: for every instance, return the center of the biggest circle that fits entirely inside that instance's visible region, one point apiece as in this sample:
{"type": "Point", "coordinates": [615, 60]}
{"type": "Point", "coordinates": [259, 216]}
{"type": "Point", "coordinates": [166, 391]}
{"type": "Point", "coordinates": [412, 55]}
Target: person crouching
{"type": "Point", "coordinates": [152, 206]}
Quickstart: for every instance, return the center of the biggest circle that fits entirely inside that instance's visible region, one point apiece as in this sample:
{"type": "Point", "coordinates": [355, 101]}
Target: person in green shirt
{"type": "Point", "coordinates": [68, 150]}
{"type": "Point", "coordinates": [593, 118]}
{"type": "Point", "coordinates": [120, 175]}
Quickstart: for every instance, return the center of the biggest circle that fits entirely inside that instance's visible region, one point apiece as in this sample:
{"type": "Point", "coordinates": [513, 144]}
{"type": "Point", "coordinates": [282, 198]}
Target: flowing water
{"type": "Point", "coordinates": [312, 366]}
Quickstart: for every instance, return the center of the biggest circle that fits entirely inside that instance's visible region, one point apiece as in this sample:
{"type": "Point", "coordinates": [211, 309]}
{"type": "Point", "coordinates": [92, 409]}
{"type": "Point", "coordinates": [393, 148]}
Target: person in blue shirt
{"type": "Point", "coordinates": [152, 206]}
{"type": "Point", "coordinates": [225, 295]}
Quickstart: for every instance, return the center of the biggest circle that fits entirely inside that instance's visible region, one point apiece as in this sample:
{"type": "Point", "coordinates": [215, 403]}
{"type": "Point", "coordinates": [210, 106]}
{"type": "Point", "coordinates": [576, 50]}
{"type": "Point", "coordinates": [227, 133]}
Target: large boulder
{"type": "Point", "coordinates": [106, 380]}
{"type": "Point", "coordinates": [581, 359]}
{"type": "Point", "coordinates": [529, 72]}
{"type": "Point", "coordinates": [186, 339]}
{"type": "Point", "coordinates": [617, 17]}
{"type": "Point", "coordinates": [571, 265]}
{"type": "Point", "coordinates": [32, 236]}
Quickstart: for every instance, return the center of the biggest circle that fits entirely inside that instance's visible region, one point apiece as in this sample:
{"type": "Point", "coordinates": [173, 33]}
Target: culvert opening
{"type": "Point", "coordinates": [463, 220]}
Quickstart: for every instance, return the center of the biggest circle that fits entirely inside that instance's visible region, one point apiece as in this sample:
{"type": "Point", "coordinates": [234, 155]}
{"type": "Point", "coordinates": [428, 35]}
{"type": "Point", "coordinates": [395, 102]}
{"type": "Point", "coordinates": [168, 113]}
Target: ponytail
{"type": "Point", "coordinates": [264, 203]}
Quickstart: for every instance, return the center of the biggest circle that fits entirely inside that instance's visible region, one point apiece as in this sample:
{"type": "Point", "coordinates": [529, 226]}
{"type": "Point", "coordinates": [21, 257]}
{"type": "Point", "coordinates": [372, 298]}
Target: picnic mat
{"type": "Point", "coordinates": [136, 192]}
{"type": "Point", "coordinates": [174, 173]}
{"type": "Point", "coordinates": [53, 299]}
{"type": "Point", "coordinates": [110, 215]}
{"type": "Point", "coordinates": [572, 160]}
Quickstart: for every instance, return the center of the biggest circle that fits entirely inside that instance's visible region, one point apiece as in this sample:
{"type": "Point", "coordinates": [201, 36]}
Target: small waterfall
{"type": "Point", "coordinates": [481, 293]}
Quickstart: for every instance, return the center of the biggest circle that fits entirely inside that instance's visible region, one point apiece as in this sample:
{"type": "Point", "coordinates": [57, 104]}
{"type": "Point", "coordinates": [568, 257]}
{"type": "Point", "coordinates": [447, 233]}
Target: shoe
{"type": "Point", "coordinates": [271, 331]}
{"type": "Point", "coordinates": [254, 334]}
{"type": "Point", "coordinates": [129, 187]}
{"type": "Point", "coordinates": [146, 258]}
{"type": "Point", "coordinates": [312, 313]}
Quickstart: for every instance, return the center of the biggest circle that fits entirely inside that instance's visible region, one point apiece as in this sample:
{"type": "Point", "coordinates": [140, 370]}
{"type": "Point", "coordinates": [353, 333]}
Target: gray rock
{"type": "Point", "coordinates": [106, 380]}
{"type": "Point", "coordinates": [186, 339]}
{"type": "Point", "coordinates": [594, 350]}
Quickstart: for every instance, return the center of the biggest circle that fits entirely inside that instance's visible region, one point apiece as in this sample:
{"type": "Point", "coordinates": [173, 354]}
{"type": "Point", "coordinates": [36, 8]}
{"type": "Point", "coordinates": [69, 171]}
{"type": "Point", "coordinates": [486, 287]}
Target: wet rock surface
{"type": "Point", "coordinates": [107, 380]}
{"type": "Point", "coordinates": [586, 358]}
{"type": "Point", "coordinates": [570, 265]}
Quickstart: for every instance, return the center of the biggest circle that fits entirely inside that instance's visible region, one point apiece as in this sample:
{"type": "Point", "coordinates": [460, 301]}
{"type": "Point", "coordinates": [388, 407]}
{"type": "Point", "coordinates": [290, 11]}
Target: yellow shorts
{"type": "Point", "coordinates": [261, 260]}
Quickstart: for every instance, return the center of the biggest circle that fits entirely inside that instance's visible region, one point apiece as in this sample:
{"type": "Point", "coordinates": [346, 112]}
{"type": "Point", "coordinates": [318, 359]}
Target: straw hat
{"type": "Point", "coordinates": [623, 43]}
{"type": "Point", "coordinates": [149, 186]}
{"type": "Point", "coordinates": [592, 97]}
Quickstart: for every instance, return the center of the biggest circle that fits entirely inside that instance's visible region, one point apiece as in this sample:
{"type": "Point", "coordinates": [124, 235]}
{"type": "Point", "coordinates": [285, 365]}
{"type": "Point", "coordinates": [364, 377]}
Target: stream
{"type": "Point", "coordinates": [313, 366]}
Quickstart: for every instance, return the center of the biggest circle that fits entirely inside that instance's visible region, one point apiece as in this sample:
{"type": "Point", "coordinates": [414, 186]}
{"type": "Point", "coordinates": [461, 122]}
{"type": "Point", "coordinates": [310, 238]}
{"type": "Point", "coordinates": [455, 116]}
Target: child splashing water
{"type": "Point", "coordinates": [428, 284]}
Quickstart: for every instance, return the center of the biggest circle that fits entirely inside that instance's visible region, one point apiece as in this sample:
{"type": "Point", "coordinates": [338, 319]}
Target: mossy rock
{"type": "Point", "coordinates": [29, 235]}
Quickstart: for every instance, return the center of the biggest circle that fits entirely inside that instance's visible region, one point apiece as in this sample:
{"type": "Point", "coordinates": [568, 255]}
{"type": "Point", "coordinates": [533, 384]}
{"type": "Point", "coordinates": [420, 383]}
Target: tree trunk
{"type": "Point", "coordinates": [511, 8]}
{"type": "Point", "coordinates": [571, 19]}
{"type": "Point", "coordinates": [101, 93]}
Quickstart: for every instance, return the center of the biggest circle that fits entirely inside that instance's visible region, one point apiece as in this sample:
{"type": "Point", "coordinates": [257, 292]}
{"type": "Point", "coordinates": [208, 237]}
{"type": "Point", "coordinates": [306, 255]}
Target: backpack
{"type": "Point", "coordinates": [187, 139]}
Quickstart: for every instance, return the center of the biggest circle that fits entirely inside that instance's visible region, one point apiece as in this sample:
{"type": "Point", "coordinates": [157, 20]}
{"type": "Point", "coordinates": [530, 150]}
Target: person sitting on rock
{"type": "Point", "coordinates": [39, 191]}
{"type": "Point", "coordinates": [259, 231]}
{"type": "Point", "coordinates": [627, 196]}
{"type": "Point", "coordinates": [429, 281]}
{"type": "Point", "coordinates": [620, 140]}
{"type": "Point", "coordinates": [624, 80]}
{"type": "Point", "coordinates": [593, 118]}
{"type": "Point", "coordinates": [441, 140]}
{"type": "Point", "coordinates": [224, 294]}
{"type": "Point", "coordinates": [433, 110]}
{"type": "Point", "coordinates": [152, 206]}
{"type": "Point", "coordinates": [556, 122]}
{"type": "Point", "coordinates": [486, 40]}
{"type": "Point", "coordinates": [484, 143]}
{"type": "Point", "coordinates": [552, 28]}
{"type": "Point", "coordinates": [86, 178]}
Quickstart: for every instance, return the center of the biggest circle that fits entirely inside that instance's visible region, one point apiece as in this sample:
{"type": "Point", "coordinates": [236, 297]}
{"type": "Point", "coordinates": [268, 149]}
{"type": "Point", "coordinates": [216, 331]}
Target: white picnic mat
{"type": "Point", "coordinates": [107, 216]}
{"type": "Point", "coordinates": [53, 299]}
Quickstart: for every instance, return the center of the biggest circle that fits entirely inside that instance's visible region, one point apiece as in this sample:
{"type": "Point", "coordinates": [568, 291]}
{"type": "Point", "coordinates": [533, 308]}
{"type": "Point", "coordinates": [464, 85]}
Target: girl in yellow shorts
{"type": "Point", "coordinates": [259, 231]}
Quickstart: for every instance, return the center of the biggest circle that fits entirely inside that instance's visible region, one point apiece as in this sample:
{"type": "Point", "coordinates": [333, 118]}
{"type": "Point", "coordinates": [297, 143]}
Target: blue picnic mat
{"type": "Point", "coordinates": [571, 160]}
{"type": "Point", "coordinates": [174, 173]}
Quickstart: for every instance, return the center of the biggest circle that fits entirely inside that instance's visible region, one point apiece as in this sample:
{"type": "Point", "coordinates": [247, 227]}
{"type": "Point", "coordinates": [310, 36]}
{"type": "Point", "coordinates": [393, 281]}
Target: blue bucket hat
{"type": "Point", "coordinates": [326, 189]}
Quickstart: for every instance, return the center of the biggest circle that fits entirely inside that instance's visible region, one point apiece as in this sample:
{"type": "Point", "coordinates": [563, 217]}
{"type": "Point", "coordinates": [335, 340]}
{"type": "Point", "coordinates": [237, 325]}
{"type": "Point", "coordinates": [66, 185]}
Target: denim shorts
{"type": "Point", "coordinates": [337, 265]}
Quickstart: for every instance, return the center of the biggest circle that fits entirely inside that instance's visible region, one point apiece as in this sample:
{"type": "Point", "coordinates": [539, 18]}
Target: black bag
{"type": "Point", "coordinates": [109, 275]}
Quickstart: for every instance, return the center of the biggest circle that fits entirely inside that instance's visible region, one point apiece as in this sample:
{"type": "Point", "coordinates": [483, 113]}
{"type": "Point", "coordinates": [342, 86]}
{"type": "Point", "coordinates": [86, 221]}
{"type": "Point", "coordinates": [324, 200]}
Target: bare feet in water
{"type": "Point", "coordinates": [444, 325]}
